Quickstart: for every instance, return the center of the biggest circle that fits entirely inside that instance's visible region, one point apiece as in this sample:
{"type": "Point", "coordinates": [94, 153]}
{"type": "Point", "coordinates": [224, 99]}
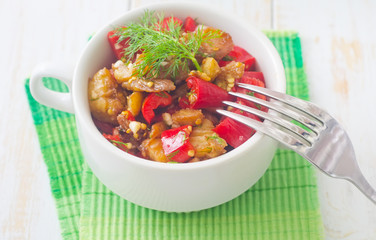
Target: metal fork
{"type": "Point", "coordinates": [305, 128]}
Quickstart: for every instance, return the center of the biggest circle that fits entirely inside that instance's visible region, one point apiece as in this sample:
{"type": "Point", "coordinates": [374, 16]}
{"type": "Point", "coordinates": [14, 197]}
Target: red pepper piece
{"type": "Point", "coordinates": [117, 47]}
{"type": "Point", "coordinates": [248, 79]}
{"type": "Point", "coordinates": [252, 81]}
{"type": "Point", "coordinates": [183, 102]}
{"type": "Point", "coordinates": [253, 74]}
{"type": "Point", "coordinates": [233, 132]}
{"type": "Point", "coordinates": [205, 94]}
{"type": "Point", "coordinates": [189, 25]}
{"type": "Point", "coordinates": [111, 137]}
{"type": "Point", "coordinates": [176, 145]}
{"type": "Point", "coordinates": [152, 102]}
{"type": "Point", "coordinates": [116, 141]}
{"type": "Point", "coordinates": [240, 55]}
{"type": "Point", "coordinates": [128, 115]}
{"type": "Point", "coordinates": [167, 20]}
{"type": "Point", "coordinates": [224, 61]}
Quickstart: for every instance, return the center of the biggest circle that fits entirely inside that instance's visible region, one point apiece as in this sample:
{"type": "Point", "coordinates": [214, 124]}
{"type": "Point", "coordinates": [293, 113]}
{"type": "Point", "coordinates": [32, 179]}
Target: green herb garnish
{"type": "Point", "coordinates": [163, 48]}
{"type": "Point", "coordinates": [216, 138]}
{"type": "Point", "coordinates": [228, 58]}
{"type": "Point", "coordinates": [207, 150]}
{"type": "Point", "coordinates": [258, 106]}
{"type": "Point", "coordinates": [122, 145]}
{"type": "Point", "coordinates": [173, 162]}
{"type": "Point", "coordinates": [161, 94]}
{"type": "Point", "coordinates": [173, 154]}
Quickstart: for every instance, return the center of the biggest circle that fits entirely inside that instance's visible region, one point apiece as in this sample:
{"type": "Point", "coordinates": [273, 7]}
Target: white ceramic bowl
{"type": "Point", "coordinates": [161, 186]}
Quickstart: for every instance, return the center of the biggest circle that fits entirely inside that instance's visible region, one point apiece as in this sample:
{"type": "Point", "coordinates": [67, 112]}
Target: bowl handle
{"type": "Point", "coordinates": [58, 100]}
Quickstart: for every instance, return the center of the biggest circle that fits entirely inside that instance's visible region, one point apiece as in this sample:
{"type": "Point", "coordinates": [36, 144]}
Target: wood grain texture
{"type": "Point", "coordinates": [35, 31]}
{"type": "Point", "coordinates": [256, 12]}
{"type": "Point", "coordinates": [339, 51]}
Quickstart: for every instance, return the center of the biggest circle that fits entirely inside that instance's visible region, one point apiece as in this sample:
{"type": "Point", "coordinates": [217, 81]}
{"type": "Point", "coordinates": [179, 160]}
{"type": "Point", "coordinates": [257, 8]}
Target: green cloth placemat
{"type": "Point", "coordinates": [283, 204]}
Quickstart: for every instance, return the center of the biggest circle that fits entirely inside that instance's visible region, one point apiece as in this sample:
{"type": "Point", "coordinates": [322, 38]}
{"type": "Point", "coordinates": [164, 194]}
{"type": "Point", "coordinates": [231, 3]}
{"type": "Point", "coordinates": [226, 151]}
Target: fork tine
{"type": "Point", "coordinates": [286, 138]}
{"type": "Point", "coordinates": [304, 106]}
{"type": "Point", "coordinates": [300, 132]}
{"type": "Point", "coordinates": [310, 123]}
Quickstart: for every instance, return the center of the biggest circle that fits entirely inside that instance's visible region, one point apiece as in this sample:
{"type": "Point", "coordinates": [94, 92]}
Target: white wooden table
{"type": "Point", "coordinates": [339, 50]}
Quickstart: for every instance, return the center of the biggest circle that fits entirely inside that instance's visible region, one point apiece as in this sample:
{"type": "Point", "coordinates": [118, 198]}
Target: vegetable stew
{"type": "Point", "coordinates": [158, 100]}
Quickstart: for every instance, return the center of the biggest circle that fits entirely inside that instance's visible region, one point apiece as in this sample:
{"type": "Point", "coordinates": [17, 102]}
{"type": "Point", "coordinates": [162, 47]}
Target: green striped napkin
{"type": "Point", "coordinates": [282, 205]}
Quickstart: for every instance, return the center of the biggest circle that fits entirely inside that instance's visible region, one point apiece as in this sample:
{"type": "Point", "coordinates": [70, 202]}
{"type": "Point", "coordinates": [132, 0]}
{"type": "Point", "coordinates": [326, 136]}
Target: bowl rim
{"type": "Point", "coordinates": [91, 129]}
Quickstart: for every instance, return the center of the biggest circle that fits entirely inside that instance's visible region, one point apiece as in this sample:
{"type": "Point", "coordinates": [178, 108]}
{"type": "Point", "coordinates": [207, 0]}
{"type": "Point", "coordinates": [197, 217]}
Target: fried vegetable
{"type": "Point", "coordinates": [228, 74]}
{"type": "Point", "coordinates": [122, 72]}
{"type": "Point", "coordinates": [124, 119]}
{"type": "Point", "coordinates": [144, 85]}
{"type": "Point", "coordinates": [106, 100]}
{"type": "Point", "coordinates": [206, 142]}
{"type": "Point", "coordinates": [157, 129]}
{"type": "Point", "coordinates": [200, 75]}
{"type": "Point", "coordinates": [217, 47]}
{"type": "Point", "coordinates": [187, 116]}
{"type": "Point", "coordinates": [210, 67]}
{"type": "Point", "coordinates": [233, 69]}
{"type": "Point", "coordinates": [153, 149]}
{"type": "Point", "coordinates": [134, 102]}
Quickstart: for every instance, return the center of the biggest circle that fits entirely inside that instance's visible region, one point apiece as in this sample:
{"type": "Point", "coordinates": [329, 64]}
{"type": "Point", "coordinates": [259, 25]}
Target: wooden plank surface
{"type": "Point", "coordinates": [339, 51]}
{"type": "Point", "coordinates": [339, 44]}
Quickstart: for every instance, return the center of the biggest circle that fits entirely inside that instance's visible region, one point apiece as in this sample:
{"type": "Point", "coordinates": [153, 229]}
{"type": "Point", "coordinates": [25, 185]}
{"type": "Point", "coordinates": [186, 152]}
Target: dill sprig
{"type": "Point", "coordinates": [165, 49]}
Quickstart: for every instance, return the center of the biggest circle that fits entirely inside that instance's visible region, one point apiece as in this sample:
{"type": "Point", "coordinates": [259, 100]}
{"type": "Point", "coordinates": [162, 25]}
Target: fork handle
{"type": "Point", "coordinates": [363, 185]}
